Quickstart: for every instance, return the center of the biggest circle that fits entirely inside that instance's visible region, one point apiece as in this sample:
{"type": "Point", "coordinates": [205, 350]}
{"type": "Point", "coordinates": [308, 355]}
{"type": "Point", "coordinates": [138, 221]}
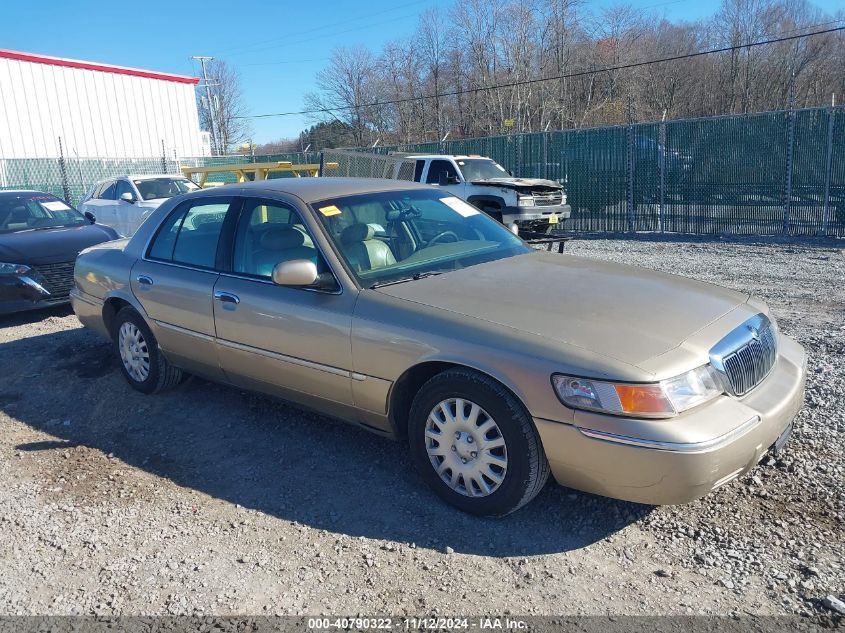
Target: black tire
{"type": "Point", "coordinates": [162, 375]}
{"type": "Point", "coordinates": [527, 467]}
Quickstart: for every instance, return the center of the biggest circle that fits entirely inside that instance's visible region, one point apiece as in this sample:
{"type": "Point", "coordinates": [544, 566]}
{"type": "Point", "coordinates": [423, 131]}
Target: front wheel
{"type": "Point", "coordinates": [475, 445]}
{"type": "Point", "coordinates": [142, 363]}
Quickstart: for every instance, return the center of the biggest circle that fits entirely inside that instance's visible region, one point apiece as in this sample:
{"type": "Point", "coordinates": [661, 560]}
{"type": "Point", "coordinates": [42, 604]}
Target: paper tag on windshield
{"type": "Point", "coordinates": [329, 211]}
{"type": "Point", "coordinates": [464, 208]}
{"type": "Point", "coordinates": [55, 205]}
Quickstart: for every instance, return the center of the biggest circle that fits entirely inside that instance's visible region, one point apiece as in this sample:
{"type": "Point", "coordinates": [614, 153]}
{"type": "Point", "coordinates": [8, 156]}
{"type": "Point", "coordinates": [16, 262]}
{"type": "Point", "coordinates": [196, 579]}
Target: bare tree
{"type": "Point", "coordinates": [345, 88]}
{"type": "Point", "coordinates": [226, 108]}
{"type": "Point", "coordinates": [485, 67]}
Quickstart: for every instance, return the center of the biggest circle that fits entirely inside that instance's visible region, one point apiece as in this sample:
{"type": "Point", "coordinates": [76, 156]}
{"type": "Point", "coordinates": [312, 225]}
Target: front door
{"type": "Point", "coordinates": [128, 215]}
{"type": "Point", "coordinates": [289, 341]}
{"type": "Point", "coordinates": [440, 169]}
{"type": "Point", "coordinates": [175, 282]}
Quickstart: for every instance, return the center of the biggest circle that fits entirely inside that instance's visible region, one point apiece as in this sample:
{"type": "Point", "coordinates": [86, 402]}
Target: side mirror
{"type": "Point", "coordinates": [128, 197]}
{"type": "Point", "coordinates": [90, 217]}
{"type": "Point", "coordinates": [296, 272]}
{"type": "Point", "coordinates": [444, 179]}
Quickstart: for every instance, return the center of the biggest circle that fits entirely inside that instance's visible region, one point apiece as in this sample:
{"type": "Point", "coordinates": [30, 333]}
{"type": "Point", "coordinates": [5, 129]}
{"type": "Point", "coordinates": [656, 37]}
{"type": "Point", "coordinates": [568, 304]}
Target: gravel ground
{"type": "Point", "coordinates": [209, 500]}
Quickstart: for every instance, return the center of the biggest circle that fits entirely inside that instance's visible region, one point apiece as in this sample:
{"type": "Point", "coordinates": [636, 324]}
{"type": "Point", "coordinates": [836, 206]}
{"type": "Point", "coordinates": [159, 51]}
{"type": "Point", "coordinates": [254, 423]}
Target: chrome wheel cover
{"type": "Point", "coordinates": [134, 351]}
{"type": "Point", "coordinates": [466, 447]}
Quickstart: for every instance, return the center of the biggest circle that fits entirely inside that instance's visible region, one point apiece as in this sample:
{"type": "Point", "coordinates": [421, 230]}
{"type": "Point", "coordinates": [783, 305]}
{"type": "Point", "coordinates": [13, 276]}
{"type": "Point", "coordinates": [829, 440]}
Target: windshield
{"type": "Point", "coordinates": [481, 169]}
{"type": "Point", "coordinates": [31, 211]}
{"type": "Point", "coordinates": [396, 235]}
{"type": "Point", "coordinates": [152, 188]}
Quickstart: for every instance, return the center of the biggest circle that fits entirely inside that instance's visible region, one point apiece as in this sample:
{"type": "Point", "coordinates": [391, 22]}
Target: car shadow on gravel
{"type": "Point", "coordinates": [265, 455]}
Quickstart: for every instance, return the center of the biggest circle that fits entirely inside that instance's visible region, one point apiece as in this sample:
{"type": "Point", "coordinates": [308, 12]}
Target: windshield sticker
{"type": "Point", "coordinates": [330, 210]}
{"type": "Point", "coordinates": [464, 208]}
{"type": "Point", "coordinates": [55, 205]}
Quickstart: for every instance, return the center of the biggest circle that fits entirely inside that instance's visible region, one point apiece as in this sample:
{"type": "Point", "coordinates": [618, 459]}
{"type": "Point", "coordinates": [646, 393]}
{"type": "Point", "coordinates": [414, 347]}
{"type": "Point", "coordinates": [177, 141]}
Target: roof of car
{"type": "Point", "coordinates": [454, 156]}
{"type": "Point", "coordinates": [314, 189]}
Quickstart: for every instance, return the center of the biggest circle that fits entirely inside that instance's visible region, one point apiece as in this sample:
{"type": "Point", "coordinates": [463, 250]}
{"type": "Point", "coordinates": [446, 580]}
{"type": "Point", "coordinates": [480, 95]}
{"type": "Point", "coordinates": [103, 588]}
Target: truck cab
{"type": "Point", "coordinates": [522, 204]}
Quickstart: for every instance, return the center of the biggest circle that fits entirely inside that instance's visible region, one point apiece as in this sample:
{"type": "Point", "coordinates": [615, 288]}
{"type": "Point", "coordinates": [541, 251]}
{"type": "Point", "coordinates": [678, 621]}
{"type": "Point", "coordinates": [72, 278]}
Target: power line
{"type": "Point", "coordinates": [535, 80]}
{"type": "Point", "coordinates": [280, 40]}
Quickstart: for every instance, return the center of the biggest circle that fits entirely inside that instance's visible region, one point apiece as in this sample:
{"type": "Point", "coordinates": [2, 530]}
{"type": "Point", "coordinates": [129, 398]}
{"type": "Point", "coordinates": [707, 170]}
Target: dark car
{"type": "Point", "coordinates": [40, 237]}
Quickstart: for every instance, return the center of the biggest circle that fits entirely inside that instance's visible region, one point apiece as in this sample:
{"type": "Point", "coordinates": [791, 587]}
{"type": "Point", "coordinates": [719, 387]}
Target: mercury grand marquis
{"type": "Point", "coordinates": [403, 309]}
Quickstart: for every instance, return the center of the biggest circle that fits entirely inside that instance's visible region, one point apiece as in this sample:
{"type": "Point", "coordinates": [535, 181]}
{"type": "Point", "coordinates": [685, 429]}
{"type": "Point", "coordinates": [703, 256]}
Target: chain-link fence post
{"type": "Point", "coordinates": [828, 171]}
{"type": "Point", "coordinates": [629, 179]}
{"type": "Point", "coordinates": [790, 142]}
{"type": "Point", "coordinates": [63, 173]}
{"type": "Point", "coordinates": [661, 166]}
{"type": "Point", "coordinates": [163, 158]}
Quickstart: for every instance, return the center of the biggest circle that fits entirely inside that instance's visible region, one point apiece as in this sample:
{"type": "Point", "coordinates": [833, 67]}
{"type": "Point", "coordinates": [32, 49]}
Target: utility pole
{"type": "Point", "coordinates": [202, 59]}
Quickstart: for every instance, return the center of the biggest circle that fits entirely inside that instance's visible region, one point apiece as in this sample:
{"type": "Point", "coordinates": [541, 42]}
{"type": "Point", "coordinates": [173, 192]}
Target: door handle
{"type": "Point", "coordinates": [144, 280]}
{"type": "Point", "coordinates": [226, 297]}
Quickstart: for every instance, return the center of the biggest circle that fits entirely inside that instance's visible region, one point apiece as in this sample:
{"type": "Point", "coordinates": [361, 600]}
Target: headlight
{"type": "Point", "coordinates": [13, 269]}
{"type": "Point", "coordinates": [525, 201]}
{"type": "Point", "coordinates": [650, 400]}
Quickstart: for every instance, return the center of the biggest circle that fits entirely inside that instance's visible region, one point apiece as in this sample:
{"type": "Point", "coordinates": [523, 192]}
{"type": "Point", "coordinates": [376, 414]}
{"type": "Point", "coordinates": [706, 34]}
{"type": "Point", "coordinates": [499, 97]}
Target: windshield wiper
{"type": "Point", "coordinates": [402, 280]}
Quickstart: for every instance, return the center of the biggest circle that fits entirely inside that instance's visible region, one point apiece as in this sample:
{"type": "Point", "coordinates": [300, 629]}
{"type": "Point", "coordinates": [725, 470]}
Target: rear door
{"type": "Point", "coordinates": [102, 204]}
{"type": "Point", "coordinates": [175, 280]}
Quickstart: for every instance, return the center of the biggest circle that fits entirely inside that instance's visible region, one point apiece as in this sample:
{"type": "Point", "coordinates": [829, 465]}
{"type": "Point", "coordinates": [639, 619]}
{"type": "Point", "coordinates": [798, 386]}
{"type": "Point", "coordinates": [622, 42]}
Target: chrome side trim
{"type": "Point", "coordinates": [287, 359]}
{"type": "Point", "coordinates": [182, 330]}
{"type": "Point", "coordinates": [679, 447]}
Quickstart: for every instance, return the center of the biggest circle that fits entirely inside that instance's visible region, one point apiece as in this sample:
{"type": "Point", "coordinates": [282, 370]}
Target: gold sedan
{"type": "Point", "coordinates": [405, 310]}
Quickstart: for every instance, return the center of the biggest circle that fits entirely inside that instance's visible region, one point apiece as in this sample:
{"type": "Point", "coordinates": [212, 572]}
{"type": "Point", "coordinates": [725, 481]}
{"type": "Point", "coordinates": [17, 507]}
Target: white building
{"type": "Point", "coordinates": [97, 110]}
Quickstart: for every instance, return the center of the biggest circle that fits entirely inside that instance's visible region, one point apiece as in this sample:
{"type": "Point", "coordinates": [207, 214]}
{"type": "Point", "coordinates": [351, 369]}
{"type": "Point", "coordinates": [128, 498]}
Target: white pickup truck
{"type": "Point", "coordinates": [530, 204]}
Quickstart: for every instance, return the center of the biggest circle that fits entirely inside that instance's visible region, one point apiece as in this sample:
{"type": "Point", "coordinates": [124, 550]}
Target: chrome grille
{"type": "Point", "coordinates": [746, 356]}
{"type": "Point", "coordinates": [547, 198]}
{"type": "Point", "coordinates": [57, 279]}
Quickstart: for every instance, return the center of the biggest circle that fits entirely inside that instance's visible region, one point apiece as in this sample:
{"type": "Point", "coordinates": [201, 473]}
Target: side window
{"type": "Point", "coordinates": [269, 233]}
{"type": "Point", "coordinates": [124, 187]}
{"type": "Point", "coordinates": [418, 170]}
{"type": "Point", "coordinates": [190, 234]}
{"type": "Point", "coordinates": [109, 191]}
{"type": "Point", "coordinates": [437, 167]}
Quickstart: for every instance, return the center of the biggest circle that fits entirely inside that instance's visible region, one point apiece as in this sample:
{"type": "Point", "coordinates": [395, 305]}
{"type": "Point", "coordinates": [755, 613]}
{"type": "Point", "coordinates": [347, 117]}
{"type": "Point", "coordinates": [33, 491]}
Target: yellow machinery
{"type": "Point", "coordinates": [246, 172]}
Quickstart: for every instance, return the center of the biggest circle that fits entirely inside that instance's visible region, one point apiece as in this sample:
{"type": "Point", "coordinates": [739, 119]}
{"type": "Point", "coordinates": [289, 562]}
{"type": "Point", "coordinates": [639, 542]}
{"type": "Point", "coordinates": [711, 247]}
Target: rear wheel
{"type": "Point", "coordinates": [475, 445]}
{"type": "Point", "coordinates": [142, 363]}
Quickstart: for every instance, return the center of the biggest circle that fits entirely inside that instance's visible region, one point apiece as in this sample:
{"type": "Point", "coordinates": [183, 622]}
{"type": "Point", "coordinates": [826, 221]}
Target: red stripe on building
{"type": "Point", "coordinates": [106, 68]}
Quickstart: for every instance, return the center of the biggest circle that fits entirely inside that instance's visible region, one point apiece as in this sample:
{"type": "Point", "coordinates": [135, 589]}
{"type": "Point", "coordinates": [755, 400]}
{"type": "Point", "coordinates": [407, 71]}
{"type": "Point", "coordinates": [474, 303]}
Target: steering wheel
{"type": "Point", "coordinates": [434, 240]}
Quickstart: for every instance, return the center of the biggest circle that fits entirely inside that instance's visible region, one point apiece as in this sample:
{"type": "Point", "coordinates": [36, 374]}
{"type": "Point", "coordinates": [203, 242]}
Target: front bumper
{"type": "Point", "coordinates": [535, 214]}
{"type": "Point", "coordinates": [655, 472]}
{"type": "Point", "coordinates": [19, 293]}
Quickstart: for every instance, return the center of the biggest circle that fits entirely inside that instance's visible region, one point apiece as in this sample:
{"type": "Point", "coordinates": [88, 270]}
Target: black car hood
{"type": "Point", "coordinates": [50, 246]}
{"type": "Point", "coordinates": [520, 183]}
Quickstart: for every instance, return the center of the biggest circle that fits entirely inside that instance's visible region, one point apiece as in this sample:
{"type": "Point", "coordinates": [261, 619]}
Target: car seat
{"type": "Point", "coordinates": [280, 245]}
{"type": "Point", "coordinates": [363, 251]}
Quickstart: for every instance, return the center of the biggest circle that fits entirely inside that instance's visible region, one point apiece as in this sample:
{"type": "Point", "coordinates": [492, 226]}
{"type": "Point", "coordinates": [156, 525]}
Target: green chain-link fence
{"type": "Point", "coordinates": [772, 173]}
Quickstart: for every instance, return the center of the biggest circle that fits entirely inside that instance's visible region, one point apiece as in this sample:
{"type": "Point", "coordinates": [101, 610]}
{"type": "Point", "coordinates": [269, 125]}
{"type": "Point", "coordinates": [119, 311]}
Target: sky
{"type": "Point", "coordinates": [277, 47]}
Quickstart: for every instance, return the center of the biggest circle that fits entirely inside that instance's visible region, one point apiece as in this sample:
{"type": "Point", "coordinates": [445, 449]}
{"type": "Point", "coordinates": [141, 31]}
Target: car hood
{"type": "Point", "coordinates": [49, 246]}
{"type": "Point", "coordinates": [520, 183]}
{"type": "Point", "coordinates": [623, 312]}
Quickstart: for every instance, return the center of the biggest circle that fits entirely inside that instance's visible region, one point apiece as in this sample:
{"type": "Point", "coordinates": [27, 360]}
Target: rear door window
{"type": "Point", "coordinates": [191, 233]}
{"type": "Point", "coordinates": [109, 191]}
